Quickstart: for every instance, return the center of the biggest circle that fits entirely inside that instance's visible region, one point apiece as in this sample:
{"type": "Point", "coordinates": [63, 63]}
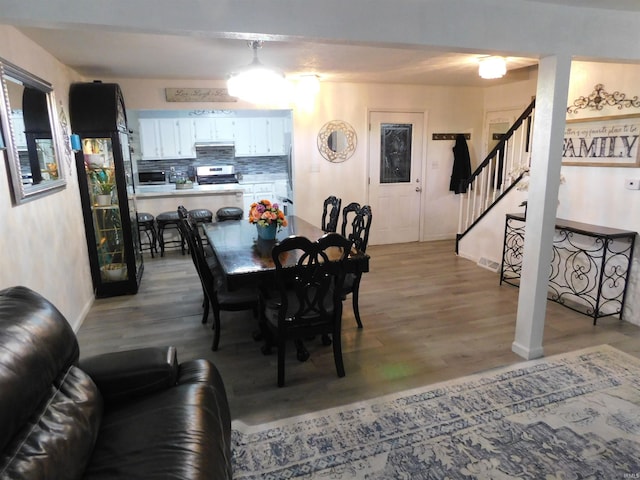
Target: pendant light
{"type": "Point", "coordinates": [257, 83]}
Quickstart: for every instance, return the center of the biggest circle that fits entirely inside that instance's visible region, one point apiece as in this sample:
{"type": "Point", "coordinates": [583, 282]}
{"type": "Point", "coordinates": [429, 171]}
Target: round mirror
{"type": "Point", "coordinates": [337, 141]}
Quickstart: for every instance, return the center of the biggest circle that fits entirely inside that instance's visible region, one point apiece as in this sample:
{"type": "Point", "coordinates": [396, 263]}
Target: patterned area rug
{"type": "Point", "coordinates": [571, 416]}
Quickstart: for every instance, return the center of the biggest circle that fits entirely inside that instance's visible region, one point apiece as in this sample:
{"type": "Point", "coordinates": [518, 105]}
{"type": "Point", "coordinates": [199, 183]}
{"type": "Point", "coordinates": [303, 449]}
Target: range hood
{"type": "Point", "coordinates": [202, 145]}
{"type": "Point", "coordinates": [216, 150]}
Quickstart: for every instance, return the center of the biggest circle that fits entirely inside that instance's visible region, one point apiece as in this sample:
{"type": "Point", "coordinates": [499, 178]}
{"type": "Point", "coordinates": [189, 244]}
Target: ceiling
{"type": "Point", "coordinates": [102, 53]}
{"type": "Point", "coordinates": [97, 54]}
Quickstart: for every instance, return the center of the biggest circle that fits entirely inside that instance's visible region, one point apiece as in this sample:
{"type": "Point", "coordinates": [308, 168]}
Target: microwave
{"type": "Point", "coordinates": [152, 177]}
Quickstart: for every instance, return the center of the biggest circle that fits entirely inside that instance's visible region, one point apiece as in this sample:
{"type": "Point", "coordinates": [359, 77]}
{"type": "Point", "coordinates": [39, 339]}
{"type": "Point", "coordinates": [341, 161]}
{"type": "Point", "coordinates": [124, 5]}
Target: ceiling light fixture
{"type": "Point", "coordinates": [492, 67]}
{"type": "Point", "coordinates": [256, 83]}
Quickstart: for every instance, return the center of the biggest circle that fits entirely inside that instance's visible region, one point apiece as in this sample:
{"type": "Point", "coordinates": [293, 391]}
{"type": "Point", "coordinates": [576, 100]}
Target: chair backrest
{"type": "Point", "coordinates": [330, 213]}
{"type": "Point", "coordinates": [360, 228]}
{"type": "Point", "coordinates": [347, 212]}
{"type": "Point", "coordinates": [189, 229]}
{"type": "Point", "coordinates": [310, 290]}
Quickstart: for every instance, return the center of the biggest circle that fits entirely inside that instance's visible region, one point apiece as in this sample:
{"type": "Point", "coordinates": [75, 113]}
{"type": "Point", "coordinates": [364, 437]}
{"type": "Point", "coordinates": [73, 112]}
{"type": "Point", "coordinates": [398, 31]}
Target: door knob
{"type": "Point", "coordinates": [418, 189]}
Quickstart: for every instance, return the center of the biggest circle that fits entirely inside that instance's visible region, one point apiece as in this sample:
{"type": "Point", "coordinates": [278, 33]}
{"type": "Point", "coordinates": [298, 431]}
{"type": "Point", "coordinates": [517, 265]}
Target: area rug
{"type": "Point", "coordinates": [570, 416]}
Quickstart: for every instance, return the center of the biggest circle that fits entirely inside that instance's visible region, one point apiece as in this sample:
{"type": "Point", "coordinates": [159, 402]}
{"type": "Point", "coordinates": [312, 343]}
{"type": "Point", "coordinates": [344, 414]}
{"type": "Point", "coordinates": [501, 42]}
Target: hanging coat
{"type": "Point", "coordinates": [461, 166]}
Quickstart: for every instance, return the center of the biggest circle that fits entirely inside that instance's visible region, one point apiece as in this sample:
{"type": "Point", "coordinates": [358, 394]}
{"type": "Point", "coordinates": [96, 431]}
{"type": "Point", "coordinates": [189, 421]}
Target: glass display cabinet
{"type": "Point", "coordinates": [105, 178]}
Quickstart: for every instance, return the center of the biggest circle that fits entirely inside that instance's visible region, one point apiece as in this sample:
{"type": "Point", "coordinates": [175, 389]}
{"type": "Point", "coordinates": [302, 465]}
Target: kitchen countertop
{"type": "Point", "coordinates": [149, 191]}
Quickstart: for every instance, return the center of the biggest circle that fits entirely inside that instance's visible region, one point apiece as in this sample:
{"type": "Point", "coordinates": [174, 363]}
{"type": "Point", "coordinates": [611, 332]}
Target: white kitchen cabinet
{"type": "Point", "coordinates": [175, 137]}
{"type": "Point", "coordinates": [209, 129]}
{"type": "Point", "coordinates": [254, 192]}
{"type": "Point", "coordinates": [261, 136]}
{"type": "Point", "coordinates": [149, 138]}
{"type": "Point", "coordinates": [166, 138]}
{"type": "Point", "coordinates": [242, 137]}
{"type": "Point", "coordinates": [224, 129]}
{"type": "Point", "coordinates": [277, 131]}
{"type": "Point", "coordinates": [203, 129]}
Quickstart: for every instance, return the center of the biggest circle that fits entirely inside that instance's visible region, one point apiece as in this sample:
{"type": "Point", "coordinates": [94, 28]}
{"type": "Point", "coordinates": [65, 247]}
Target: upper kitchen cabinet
{"type": "Point", "coordinates": [209, 129]}
{"type": "Point", "coordinates": [261, 136]}
{"type": "Point", "coordinates": [166, 138]}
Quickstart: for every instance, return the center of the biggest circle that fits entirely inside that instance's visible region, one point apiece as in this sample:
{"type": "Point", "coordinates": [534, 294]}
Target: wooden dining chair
{"type": "Point", "coordinates": [330, 213]}
{"type": "Point", "coordinates": [348, 213]}
{"type": "Point", "coordinates": [307, 301]}
{"type": "Point", "coordinates": [359, 236]}
{"type": "Point", "coordinates": [213, 285]}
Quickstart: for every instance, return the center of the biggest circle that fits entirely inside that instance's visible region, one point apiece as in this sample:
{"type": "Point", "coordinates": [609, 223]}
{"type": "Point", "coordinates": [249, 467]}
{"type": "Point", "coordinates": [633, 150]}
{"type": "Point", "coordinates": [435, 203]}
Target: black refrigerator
{"type": "Point", "coordinates": [105, 177]}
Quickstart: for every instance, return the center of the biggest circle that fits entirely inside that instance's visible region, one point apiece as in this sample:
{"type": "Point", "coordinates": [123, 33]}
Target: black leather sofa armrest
{"type": "Point", "coordinates": [132, 373]}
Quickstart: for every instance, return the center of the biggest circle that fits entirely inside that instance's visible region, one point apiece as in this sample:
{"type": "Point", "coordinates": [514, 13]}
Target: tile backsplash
{"type": "Point", "coordinates": [243, 165]}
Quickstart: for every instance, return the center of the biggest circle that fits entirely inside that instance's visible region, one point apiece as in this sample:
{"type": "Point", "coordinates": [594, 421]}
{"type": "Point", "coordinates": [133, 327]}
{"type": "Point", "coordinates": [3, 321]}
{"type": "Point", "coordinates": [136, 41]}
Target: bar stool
{"type": "Point", "coordinates": [169, 221]}
{"type": "Point", "coordinates": [200, 216]}
{"type": "Point", "coordinates": [147, 225]}
{"type": "Point", "coordinates": [229, 213]}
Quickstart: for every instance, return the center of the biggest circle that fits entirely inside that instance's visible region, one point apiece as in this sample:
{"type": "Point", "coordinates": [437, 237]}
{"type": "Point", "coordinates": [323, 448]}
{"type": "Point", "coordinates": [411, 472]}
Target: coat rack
{"type": "Point", "coordinates": [449, 136]}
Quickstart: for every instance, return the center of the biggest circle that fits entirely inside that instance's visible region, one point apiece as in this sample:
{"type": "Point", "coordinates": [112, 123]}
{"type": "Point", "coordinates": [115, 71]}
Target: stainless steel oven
{"type": "Point", "coordinates": [216, 174]}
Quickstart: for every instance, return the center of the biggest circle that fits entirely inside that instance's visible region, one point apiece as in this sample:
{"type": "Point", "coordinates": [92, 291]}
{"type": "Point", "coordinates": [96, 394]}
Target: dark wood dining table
{"type": "Point", "coordinates": [246, 260]}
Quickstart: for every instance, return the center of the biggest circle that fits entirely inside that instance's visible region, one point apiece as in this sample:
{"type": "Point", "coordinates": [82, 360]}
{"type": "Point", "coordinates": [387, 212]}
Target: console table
{"type": "Point", "coordinates": [589, 266]}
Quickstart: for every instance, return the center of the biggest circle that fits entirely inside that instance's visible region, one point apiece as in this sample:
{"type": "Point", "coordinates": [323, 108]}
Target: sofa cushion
{"type": "Point", "coordinates": [173, 434]}
{"type": "Point", "coordinates": [57, 441]}
{"type": "Point", "coordinates": [35, 338]}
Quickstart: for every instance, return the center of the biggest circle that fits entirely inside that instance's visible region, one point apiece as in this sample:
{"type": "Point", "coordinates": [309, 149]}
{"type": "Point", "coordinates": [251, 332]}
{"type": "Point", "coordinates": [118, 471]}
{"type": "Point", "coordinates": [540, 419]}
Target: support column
{"type": "Point", "coordinates": [542, 202]}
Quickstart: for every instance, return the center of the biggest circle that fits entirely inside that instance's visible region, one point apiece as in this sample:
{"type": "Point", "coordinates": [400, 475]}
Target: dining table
{"type": "Point", "coordinates": [245, 259]}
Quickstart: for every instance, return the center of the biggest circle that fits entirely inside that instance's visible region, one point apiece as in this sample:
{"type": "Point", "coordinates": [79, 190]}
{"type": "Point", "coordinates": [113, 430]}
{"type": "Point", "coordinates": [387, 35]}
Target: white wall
{"type": "Point", "coordinates": [42, 242]}
{"type": "Point", "coordinates": [594, 195]}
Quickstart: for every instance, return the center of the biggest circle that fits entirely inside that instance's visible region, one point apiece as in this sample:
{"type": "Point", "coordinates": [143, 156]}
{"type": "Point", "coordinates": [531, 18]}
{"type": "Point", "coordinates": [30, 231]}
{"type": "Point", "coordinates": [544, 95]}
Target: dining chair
{"type": "Point", "coordinates": [211, 278]}
{"type": "Point", "coordinates": [307, 301]}
{"type": "Point", "coordinates": [359, 236]}
{"type": "Point", "coordinates": [330, 213]}
{"type": "Point", "coordinates": [347, 213]}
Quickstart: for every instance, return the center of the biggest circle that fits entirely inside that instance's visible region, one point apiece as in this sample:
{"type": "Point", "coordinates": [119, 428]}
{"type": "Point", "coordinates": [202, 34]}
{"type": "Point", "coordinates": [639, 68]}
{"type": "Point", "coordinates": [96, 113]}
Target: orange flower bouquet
{"type": "Point", "coordinates": [266, 214]}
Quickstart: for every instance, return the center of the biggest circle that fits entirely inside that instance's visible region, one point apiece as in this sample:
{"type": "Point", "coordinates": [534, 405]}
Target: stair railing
{"type": "Point", "coordinates": [500, 171]}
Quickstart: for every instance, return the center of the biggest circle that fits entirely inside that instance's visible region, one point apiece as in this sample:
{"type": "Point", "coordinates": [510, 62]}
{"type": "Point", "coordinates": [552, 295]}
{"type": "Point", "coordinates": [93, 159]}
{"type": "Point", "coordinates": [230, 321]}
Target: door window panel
{"type": "Point", "coordinates": [395, 152]}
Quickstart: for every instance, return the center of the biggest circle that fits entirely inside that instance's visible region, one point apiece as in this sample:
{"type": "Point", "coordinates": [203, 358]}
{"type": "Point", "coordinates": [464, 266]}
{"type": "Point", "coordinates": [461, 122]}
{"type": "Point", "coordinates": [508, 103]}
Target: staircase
{"type": "Point", "coordinates": [500, 172]}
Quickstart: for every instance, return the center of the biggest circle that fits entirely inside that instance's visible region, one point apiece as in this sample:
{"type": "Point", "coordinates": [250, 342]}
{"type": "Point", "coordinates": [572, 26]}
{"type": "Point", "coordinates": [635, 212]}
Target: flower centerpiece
{"type": "Point", "coordinates": [268, 218]}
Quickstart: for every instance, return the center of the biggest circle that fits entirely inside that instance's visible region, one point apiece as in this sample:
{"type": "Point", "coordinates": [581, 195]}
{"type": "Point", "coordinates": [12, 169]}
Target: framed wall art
{"type": "Point", "coordinates": [602, 141]}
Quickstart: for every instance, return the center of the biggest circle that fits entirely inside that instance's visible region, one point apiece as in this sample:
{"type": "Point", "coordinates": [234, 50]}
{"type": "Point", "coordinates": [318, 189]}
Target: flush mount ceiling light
{"type": "Point", "coordinates": [256, 83]}
{"type": "Point", "coordinates": [492, 67]}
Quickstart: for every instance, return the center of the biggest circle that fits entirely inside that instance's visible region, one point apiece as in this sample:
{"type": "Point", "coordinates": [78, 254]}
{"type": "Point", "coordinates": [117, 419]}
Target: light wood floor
{"type": "Point", "coordinates": [428, 316]}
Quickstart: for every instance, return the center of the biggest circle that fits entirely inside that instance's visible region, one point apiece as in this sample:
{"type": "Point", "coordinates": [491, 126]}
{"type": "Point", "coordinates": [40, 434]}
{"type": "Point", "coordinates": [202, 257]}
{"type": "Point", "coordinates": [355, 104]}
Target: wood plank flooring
{"type": "Point", "coordinates": [428, 316]}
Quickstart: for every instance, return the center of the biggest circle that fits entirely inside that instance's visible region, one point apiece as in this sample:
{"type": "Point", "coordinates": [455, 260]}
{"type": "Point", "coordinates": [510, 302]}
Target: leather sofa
{"type": "Point", "coordinates": [125, 415]}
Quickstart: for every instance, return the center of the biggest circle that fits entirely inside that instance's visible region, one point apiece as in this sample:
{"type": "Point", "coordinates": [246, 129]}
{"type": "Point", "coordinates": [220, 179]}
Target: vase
{"type": "Point", "coordinates": [268, 232]}
{"type": "Point", "coordinates": [104, 199]}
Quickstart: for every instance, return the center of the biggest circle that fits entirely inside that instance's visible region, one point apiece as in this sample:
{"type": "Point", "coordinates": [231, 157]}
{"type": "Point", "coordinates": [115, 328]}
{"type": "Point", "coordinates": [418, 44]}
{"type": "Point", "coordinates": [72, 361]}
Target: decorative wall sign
{"type": "Point", "coordinates": [602, 141]}
{"type": "Point", "coordinates": [198, 95]}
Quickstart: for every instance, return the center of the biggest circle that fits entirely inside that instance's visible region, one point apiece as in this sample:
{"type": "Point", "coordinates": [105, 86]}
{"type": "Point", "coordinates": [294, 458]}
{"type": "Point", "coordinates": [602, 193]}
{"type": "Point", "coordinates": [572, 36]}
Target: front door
{"type": "Point", "coordinates": [395, 176]}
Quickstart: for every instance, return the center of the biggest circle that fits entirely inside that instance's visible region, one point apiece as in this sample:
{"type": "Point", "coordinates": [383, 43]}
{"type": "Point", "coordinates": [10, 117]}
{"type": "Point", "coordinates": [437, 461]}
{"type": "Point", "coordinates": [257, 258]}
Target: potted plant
{"type": "Point", "coordinates": [183, 183]}
{"type": "Point", "coordinates": [103, 185]}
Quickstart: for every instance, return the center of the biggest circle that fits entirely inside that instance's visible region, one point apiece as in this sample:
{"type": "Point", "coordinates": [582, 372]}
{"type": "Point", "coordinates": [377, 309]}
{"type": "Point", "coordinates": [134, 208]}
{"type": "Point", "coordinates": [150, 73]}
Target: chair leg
{"type": "Point", "coordinates": [161, 240]}
{"type": "Point", "coordinates": [205, 305]}
{"type": "Point", "coordinates": [354, 299]}
{"type": "Point", "coordinates": [205, 314]}
{"type": "Point", "coordinates": [216, 329]}
{"type": "Point", "coordinates": [337, 353]}
{"type": "Point", "coordinates": [281, 358]}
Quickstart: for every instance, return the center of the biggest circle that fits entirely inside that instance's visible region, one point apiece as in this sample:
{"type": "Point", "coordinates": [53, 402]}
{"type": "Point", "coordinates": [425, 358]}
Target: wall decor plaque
{"type": "Point", "coordinates": [602, 141]}
{"type": "Point", "coordinates": [198, 95]}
